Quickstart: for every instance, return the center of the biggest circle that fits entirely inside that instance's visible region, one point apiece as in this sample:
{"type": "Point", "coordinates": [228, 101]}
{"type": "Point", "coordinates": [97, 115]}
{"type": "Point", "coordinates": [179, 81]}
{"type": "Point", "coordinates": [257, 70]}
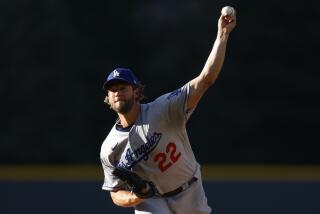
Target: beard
{"type": "Point", "coordinates": [123, 106]}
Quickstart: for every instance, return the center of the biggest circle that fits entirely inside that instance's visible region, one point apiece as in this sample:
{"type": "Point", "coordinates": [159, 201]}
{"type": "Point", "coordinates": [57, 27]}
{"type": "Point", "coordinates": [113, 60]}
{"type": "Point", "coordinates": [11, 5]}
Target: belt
{"type": "Point", "coordinates": [181, 188]}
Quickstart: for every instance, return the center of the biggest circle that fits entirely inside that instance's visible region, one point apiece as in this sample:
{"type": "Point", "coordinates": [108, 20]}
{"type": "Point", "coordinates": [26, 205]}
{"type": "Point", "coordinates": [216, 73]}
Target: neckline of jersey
{"type": "Point", "coordinates": [120, 128]}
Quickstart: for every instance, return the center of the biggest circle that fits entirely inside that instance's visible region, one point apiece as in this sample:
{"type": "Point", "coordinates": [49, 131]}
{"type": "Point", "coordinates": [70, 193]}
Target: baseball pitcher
{"type": "Point", "coordinates": [147, 158]}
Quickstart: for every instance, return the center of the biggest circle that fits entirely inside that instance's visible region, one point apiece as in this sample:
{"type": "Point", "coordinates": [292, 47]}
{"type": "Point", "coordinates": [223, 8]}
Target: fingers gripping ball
{"type": "Point", "coordinates": [140, 187]}
{"type": "Point", "coordinates": [227, 11]}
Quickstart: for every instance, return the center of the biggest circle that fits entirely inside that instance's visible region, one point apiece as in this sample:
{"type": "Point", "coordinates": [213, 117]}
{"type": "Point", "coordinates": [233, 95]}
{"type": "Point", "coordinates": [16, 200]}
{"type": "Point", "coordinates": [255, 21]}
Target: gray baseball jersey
{"type": "Point", "coordinates": [156, 146]}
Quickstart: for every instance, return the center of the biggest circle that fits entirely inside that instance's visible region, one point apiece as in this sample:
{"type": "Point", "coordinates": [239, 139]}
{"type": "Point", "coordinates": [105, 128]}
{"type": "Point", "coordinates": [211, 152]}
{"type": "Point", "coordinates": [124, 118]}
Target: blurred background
{"type": "Point", "coordinates": [263, 109]}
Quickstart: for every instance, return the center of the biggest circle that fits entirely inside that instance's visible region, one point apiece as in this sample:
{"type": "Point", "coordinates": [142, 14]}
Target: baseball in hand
{"type": "Point", "coordinates": [227, 11]}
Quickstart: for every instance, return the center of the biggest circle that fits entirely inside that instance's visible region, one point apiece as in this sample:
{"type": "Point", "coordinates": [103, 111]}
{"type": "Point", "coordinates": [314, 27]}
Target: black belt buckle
{"type": "Point", "coordinates": [180, 189]}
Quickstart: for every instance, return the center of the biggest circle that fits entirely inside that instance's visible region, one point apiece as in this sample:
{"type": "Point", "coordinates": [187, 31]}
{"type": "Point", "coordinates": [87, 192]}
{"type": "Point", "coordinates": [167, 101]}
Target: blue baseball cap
{"type": "Point", "coordinates": [121, 74]}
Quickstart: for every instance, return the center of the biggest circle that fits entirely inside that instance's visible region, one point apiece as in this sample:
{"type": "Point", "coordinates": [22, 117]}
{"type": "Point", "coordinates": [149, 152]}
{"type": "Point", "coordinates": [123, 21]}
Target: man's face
{"type": "Point", "coordinates": [121, 97]}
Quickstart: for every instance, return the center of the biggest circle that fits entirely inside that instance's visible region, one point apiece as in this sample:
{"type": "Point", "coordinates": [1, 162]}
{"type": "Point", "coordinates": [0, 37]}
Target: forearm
{"type": "Point", "coordinates": [215, 60]}
{"type": "Point", "coordinates": [210, 71]}
{"type": "Point", "coordinates": [125, 198]}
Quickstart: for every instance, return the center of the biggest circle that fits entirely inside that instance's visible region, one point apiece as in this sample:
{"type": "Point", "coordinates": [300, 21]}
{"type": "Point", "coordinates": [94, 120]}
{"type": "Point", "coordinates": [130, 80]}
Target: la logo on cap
{"type": "Point", "coordinates": [115, 73]}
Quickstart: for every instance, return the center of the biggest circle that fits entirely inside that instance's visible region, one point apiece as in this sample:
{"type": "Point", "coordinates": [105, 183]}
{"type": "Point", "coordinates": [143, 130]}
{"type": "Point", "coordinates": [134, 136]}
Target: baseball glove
{"type": "Point", "coordinates": [140, 187]}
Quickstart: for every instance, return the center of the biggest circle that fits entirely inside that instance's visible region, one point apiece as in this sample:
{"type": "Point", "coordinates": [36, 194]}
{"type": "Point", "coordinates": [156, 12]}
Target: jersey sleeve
{"type": "Point", "coordinates": [174, 106]}
{"type": "Point", "coordinates": [111, 182]}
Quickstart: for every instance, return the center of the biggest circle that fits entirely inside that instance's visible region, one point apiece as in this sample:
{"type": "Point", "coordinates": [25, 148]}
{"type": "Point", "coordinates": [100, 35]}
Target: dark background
{"type": "Point", "coordinates": [55, 55]}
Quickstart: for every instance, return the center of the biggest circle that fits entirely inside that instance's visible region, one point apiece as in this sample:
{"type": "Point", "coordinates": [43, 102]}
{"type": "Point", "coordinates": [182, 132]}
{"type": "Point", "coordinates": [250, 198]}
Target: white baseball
{"type": "Point", "coordinates": [227, 11]}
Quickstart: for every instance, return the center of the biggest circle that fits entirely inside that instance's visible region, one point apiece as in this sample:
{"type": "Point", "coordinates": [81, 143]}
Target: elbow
{"type": "Point", "coordinates": [207, 84]}
{"type": "Point", "coordinates": [207, 81]}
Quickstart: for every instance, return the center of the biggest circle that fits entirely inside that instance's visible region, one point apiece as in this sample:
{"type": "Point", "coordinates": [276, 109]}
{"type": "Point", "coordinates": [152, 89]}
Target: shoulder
{"type": "Point", "coordinates": [177, 92]}
{"type": "Point", "coordinates": [163, 102]}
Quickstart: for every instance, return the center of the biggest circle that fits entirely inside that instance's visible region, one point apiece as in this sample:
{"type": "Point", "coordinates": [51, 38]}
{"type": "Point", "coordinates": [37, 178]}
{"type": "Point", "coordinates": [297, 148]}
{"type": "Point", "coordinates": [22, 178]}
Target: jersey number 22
{"type": "Point", "coordinates": [171, 154]}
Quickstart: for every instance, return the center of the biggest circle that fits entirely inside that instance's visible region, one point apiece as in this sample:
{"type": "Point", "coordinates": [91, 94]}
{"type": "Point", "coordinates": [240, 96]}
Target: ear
{"type": "Point", "coordinates": [106, 99]}
{"type": "Point", "coordinates": [136, 92]}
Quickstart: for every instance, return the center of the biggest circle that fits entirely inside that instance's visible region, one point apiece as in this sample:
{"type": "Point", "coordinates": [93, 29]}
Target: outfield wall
{"type": "Point", "coordinates": [230, 190]}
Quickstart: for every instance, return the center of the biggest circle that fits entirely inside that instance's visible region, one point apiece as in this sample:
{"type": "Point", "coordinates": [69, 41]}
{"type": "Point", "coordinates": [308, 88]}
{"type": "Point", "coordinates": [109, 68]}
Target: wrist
{"type": "Point", "coordinates": [222, 36]}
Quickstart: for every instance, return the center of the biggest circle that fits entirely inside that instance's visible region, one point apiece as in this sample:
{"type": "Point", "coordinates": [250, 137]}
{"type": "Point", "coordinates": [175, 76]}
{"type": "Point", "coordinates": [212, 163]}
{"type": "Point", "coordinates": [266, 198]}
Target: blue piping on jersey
{"type": "Point", "coordinates": [121, 129]}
